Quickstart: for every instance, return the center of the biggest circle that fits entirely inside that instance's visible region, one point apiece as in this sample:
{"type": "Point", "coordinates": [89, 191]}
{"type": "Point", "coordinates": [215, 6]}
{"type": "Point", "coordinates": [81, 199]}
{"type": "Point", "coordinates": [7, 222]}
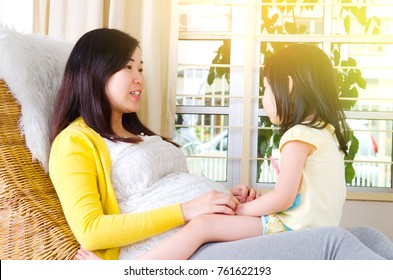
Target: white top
{"type": "Point", "coordinates": [151, 174]}
{"type": "Point", "coordinates": [322, 189]}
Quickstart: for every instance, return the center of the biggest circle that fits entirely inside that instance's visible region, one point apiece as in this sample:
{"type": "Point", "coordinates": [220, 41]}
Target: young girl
{"type": "Point", "coordinates": [302, 98]}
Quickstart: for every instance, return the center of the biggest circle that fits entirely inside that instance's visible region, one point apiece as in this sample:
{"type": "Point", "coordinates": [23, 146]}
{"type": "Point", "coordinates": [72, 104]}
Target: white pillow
{"type": "Point", "coordinates": [32, 66]}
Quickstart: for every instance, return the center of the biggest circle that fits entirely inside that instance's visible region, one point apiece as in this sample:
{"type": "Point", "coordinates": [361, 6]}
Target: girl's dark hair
{"type": "Point", "coordinates": [96, 56]}
{"type": "Point", "coordinates": [314, 89]}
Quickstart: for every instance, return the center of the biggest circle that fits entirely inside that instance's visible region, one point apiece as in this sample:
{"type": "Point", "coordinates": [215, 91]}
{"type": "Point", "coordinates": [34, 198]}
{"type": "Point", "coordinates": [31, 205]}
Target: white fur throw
{"type": "Point", "coordinates": [32, 66]}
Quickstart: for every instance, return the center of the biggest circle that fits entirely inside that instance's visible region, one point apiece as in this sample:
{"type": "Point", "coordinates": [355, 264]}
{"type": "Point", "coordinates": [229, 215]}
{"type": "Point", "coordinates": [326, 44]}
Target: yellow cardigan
{"type": "Point", "coordinates": [80, 169]}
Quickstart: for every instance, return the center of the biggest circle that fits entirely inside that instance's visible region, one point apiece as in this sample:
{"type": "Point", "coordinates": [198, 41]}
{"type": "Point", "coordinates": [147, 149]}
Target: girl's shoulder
{"type": "Point", "coordinates": [305, 133]}
{"type": "Point", "coordinates": [308, 129]}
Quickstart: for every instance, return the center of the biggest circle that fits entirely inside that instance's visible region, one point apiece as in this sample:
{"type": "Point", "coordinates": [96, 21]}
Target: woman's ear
{"type": "Point", "coordinates": [290, 85]}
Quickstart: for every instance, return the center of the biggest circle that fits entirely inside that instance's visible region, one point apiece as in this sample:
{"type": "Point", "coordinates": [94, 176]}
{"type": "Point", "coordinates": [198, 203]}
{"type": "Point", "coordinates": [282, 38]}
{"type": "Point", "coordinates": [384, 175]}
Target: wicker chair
{"type": "Point", "coordinates": [32, 223]}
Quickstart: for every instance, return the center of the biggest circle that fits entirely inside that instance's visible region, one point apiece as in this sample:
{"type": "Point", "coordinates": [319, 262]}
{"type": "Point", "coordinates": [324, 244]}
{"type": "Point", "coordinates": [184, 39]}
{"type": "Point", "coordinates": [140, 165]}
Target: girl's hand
{"type": "Point", "coordinates": [212, 202]}
{"type": "Point", "coordinates": [244, 193]}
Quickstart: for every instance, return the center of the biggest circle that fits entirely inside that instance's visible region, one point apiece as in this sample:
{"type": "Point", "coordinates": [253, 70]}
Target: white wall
{"type": "Point", "coordinates": [370, 213]}
{"type": "Point", "coordinates": [17, 15]}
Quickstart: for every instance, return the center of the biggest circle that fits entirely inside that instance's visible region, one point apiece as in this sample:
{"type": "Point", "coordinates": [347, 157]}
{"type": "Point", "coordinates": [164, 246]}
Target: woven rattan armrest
{"type": "Point", "coordinates": [32, 223]}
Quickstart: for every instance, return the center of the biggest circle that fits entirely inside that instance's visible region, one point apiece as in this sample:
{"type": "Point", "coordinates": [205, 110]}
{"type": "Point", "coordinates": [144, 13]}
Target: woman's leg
{"type": "Point", "coordinates": [323, 243]}
{"type": "Point", "coordinates": [203, 229]}
{"type": "Point", "coordinates": [374, 239]}
{"type": "Point", "coordinates": [311, 244]}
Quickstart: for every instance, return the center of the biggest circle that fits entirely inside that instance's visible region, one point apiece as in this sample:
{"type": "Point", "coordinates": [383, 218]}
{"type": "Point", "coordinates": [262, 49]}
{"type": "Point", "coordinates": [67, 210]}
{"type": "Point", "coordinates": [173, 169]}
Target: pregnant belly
{"type": "Point", "coordinates": [174, 188]}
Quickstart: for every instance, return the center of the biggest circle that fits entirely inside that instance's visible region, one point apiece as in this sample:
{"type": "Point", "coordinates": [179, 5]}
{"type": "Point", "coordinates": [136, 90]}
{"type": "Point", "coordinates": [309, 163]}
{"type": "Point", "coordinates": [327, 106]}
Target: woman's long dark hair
{"type": "Point", "coordinates": [314, 93]}
{"type": "Point", "coordinates": [96, 56]}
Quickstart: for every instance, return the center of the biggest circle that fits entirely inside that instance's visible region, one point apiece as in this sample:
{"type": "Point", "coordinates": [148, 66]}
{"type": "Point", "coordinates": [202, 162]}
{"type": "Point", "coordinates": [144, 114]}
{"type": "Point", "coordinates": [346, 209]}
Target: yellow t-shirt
{"type": "Point", "coordinates": [322, 191]}
{"type": "Point", "coordinates": [80, 169]}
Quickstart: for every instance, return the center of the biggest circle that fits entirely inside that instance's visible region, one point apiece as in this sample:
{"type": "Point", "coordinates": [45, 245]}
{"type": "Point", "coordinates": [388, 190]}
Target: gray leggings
{"type": "Point", "coordinates": [324, 243]}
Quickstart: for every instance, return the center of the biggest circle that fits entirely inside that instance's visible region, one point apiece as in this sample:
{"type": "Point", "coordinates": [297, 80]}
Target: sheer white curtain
{"type": "Point", "coordinates": [153, 22]}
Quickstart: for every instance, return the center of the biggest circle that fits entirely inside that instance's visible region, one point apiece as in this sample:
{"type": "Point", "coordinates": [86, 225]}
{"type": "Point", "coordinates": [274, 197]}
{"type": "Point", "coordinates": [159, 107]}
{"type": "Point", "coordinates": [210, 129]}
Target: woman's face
{"type": "Point", "coordinates": [124, 88]}
{"type": "Point", "coordinates": [269, 103]}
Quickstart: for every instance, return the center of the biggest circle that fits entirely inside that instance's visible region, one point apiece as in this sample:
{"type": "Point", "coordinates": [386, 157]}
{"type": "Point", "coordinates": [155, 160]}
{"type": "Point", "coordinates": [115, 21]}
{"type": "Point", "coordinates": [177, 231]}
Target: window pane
{"type": "Point", "coordinates": [268, 154]}
{"type": "Point", "coordinates": [205, 18]}
{"type": "Point", "coordinates": [194, 85]}
{"type": "Point", "coordinates": [362, 18]}
{"type": "Point", "coordinates": [204, 140]}
{"type": "Point", "coordinates": [372, 162]}
{"type": "Point", "coordinates": [365, 76]}
{"type": "Point", "coordinates": [292, 18]}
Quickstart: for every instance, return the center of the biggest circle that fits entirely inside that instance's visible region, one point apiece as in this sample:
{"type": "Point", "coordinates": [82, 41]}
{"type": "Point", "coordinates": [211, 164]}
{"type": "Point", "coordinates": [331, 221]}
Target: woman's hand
{"type": "Point", "coordinates": [244, 193]}
{"type": "Point", "coordinates": [212, 202]}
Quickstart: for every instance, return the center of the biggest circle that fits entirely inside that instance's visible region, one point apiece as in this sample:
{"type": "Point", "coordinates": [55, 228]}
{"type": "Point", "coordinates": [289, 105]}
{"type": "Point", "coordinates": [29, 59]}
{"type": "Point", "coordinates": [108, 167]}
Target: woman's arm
{"type": "Point", "coordinates": [293, 158]}
{"type": "Point", "coordinates": [80, 172]}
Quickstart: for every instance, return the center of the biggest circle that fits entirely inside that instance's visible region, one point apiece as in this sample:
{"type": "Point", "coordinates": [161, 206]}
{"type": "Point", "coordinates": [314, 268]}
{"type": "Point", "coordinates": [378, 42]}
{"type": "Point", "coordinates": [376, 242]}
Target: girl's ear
{"type": "Point", "coordinates": [290, 85]}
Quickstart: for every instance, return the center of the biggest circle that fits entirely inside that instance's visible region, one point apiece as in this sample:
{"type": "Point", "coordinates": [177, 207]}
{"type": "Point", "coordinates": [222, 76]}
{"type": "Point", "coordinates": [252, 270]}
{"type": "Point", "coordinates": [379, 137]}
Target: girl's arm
{"type": "Point", "coordinates": [293, 158]}
{"type": "Point", "coordinates": [209, 228]}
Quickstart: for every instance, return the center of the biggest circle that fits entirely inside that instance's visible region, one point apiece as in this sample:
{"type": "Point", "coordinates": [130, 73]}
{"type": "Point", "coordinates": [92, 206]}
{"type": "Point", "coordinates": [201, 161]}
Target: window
{"type": "Point", "coordinates": [222, 46]}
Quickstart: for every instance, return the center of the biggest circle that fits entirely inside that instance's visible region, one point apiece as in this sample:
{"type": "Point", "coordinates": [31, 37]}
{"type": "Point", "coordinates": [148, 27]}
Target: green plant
{"type": "Point", "coordinates": [284, 17]}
